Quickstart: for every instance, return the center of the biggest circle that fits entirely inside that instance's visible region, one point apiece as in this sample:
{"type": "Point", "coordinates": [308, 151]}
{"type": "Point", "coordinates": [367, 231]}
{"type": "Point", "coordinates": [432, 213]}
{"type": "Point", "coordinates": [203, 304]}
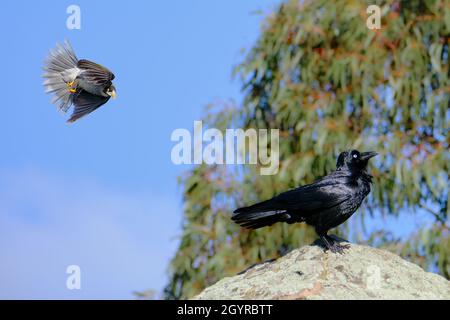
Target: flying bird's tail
{"type": "Point", "coordinates": [59, 71]}
{"type": "Point", "coordinates": [260, 215]}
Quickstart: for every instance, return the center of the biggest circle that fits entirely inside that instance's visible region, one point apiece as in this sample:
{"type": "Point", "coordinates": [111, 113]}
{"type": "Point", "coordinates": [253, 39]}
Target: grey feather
{"type": "Point", "coordinates": [60, 68]}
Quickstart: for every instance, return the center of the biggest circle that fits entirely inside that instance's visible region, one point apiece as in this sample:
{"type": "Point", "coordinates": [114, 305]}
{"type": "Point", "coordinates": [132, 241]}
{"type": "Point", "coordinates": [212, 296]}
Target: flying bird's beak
{"type": "Point", "coordinates": [368, 155]}
{"type": "Point", "coordinates": [113, 94]}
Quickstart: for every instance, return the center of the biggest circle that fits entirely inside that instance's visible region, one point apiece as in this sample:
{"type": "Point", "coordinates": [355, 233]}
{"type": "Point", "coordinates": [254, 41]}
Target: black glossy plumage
{"type": "Point", "coordinates": [324, 204]}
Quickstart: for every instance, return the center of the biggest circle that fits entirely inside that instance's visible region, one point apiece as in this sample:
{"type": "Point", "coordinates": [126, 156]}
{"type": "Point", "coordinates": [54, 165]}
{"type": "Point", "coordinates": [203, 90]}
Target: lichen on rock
{"type": "Point", "coordinates": [310, 273]}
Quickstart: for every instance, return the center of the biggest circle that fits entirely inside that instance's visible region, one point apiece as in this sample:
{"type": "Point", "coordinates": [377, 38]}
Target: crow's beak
{"type": "Point", "coordinates": [368, 155]}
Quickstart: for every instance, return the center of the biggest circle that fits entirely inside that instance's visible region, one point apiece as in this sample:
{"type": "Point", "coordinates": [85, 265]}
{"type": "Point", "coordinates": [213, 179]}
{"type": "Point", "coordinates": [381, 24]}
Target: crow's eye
{"type": "Point", "coordinates": [355, 156]}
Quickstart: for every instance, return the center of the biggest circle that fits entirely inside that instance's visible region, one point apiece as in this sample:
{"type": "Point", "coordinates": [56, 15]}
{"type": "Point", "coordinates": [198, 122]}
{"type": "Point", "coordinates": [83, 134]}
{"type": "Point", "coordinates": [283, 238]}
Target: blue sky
{"type": "Point", "coordinates": [102, 193]}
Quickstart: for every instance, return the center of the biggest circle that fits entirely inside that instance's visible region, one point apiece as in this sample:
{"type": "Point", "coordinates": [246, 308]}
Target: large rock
{"type": "Point", "coordinates": [310, 273]}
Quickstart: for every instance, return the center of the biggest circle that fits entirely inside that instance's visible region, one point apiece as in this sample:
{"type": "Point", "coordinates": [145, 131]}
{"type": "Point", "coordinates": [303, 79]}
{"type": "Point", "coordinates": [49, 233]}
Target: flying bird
{"type": "Point", "coordinates": [324, 204]}
{"type": "Point", "coordinates": [82, 83]}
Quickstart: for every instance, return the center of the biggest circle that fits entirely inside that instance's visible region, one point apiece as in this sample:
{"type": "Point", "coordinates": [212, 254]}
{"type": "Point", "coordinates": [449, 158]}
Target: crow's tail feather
{"type": "Point", "coordinates": [251, 219]}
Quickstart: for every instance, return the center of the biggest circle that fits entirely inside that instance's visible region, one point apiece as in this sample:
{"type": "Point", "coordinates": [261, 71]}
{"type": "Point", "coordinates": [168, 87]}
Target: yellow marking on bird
{"type": "Point", "coordinates": [72, 90]}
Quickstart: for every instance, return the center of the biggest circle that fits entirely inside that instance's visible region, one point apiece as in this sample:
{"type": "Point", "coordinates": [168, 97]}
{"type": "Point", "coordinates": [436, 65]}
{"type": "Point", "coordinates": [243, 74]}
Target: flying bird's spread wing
{"type": "Point", "coordinates": [85, 103]}
{"type": "Point", "coordinates": [95, 73]}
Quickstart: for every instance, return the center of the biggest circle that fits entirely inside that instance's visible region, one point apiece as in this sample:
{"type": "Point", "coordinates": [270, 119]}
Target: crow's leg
{"type": "Point", "coordinates": [337, 244]}
{"type": "Point", "coordinates": [333, 245]}
{"type": "Point", "coordinates": [325, 241]}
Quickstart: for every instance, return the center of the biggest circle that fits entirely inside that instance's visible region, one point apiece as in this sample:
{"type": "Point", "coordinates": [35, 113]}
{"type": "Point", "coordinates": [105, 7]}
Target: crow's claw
{"type": "Point", "coordinates": [333, 245]}
{"type": "Point", "coordinates": [338, 248]}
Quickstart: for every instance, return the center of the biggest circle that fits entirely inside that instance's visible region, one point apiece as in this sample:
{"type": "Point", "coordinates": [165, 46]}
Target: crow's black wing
{"type": "Point", "coordinates": [95, 73]}
{"type": "Point", "coordinates": [314, 198]}
{"type": "Point", "coordinates": [305, 200]}
{"type": "Point", "coordinates": [85, 103]}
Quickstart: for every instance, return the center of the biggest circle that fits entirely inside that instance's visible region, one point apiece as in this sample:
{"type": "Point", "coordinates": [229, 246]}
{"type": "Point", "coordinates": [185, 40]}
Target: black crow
{"type": "Point", "coordinates": [324, 204]}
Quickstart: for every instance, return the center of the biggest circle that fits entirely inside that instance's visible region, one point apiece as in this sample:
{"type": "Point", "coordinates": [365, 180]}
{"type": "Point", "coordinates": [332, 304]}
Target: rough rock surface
{"type": "Point", "coordinates": [309, 273]}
